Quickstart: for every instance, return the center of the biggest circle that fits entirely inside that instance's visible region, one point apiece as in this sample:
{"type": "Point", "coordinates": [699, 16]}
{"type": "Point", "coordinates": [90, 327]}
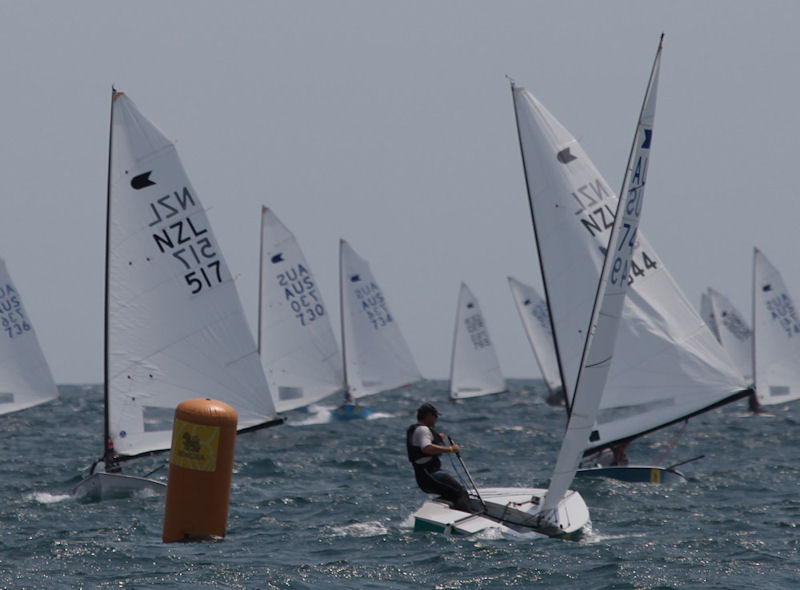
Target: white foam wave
{"type": "Point", "coordinates": [48, 498]}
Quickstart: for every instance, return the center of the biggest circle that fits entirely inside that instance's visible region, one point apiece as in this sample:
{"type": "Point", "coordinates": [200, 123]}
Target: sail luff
{"type": "Point", "coordinates": [609, 301]}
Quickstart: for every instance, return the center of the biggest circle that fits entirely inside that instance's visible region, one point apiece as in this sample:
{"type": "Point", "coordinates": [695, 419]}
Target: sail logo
{"type": "Point", "coordinates": [194, 446]}
{"type": "Point", "coordinates": [648, 136]}
{"type": "Point", "coordinates": [565, 157]}
{"type": "Point", "coordinates": [277, 258]}
{"type": "Point", "coordinates": [142, 180]}
{"type": "Point", "coordinates": [736, 326]}
{"type": "Point", "coordinates": [355, 278]}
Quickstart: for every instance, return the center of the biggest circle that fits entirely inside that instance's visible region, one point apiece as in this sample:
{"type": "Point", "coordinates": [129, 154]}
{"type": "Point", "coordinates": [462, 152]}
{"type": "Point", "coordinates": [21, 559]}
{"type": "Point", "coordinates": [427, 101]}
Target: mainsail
{"type": "Point", "coordinates": [175, 327]}
{"type": "Point", "coordinates": [776, 326]}
{"type": "Point", "coordinates": [735, 335]}
{"type": "Point", "coordinates": [376, 356]}
{"type": "Point", "coordinates": [535, 317]}
{"type": "Point", "coordinates": [298, 349]}
{"type": "Point", "coordinates": [667, 365]}
{"type": "Point", "coordinates": [474, 368]}
{"type": "Point", "coordinates": [606, 315]}
{"type": "Point", "coordinates": [25, 378]}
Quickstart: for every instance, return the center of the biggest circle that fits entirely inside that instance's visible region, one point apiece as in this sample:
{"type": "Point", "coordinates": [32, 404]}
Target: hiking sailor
{"type": "Point", "coordinates": [424, 446]}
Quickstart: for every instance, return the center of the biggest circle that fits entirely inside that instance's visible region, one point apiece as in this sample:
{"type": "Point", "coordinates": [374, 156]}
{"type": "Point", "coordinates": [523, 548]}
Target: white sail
{"type": "Point", "coordinates": [707, 313]}
{"type": "Point", "coordinates": [532, 310]}
{"type": "Point", "coordinates": [609, 300]}
{"type": "Point", "coordinates": [776, 326]}
{"type": "Point", "coordinates": [735, 335]}
{"type": "Point", "coordinates": [25, 378]}
{"type": "Point", "coordinates": [376, 356]}
{"type": "Point", "coordinates": [668, 365]}
{"type": "Point", "coordinates": [175, 325]}
{"type": "Point", "coordinates": [298, 349]}
{"type": "Point", "coordinates": [474, 368]}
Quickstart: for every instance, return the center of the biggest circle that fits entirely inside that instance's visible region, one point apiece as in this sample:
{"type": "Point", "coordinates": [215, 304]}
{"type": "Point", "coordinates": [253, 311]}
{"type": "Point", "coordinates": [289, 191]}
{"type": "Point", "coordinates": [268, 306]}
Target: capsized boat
{"type": "Point", "coordinates": [376, 355]}
{"type": "Point", "coordinates": [174, 325]}
{"type": "Point", "coordinates": [535, 318]}
{"type": "Point", "coordinates": [559, 511]}
{"type": "Point", "coordinates": [296, 343]}
{"type": "Point", "coordinates": [776, 335]}
{"type": "Point", "coordinates": [25, 378]}
{"type": "Point", "coordinates": [474, 367]}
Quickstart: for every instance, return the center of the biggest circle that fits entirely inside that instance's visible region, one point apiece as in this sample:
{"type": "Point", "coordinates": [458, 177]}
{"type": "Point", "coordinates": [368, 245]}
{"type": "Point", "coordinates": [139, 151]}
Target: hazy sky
{"type": "Point", "coordinates": [390, 124]}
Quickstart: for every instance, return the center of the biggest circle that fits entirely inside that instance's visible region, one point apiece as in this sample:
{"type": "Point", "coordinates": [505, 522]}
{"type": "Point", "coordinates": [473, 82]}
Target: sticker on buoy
{"type": "Point", "coordinates": [194, 446]}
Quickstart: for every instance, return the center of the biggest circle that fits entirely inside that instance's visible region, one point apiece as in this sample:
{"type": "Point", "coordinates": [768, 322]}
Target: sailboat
{"type": "Point", "coordinates": [668, 365]}
{"type": "Point", "coordinates": [474, 368]}
{"type": "Point", "coordinates": [734, 334]}
{"type": "Point", "coordinates": [376, 355]}
{"type": "Point", "coordinates": [535, 318]}
{"type": "Point", "coordinates": [776, 329]}
{"type": "Point", "coordinates": [559, 511]}
{"type": "Point", "coordinates": [296, 343]}
{"type": "Point", "coordinates": [25, 378]}
{"type": "Point", "coordinates": [174, 325]}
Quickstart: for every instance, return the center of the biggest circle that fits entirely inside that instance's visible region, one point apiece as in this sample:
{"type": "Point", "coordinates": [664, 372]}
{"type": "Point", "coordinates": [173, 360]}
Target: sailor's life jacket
{"type": "Point", "coordinates": [415, 452]}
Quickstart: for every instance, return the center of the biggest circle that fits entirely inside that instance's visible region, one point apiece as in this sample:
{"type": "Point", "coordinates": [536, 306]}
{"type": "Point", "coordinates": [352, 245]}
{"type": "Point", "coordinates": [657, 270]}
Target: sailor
{"type": "Point", "coordinates": [424, 446]}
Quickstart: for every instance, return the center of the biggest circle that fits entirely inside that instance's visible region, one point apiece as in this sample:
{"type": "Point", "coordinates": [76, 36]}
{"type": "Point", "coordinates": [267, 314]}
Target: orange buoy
{"type": "Point", "coordinates": [200, 470]}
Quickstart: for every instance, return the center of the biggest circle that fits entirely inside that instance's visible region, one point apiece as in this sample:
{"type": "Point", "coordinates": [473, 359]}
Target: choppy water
{"type": "Point", "coordinates": [328, 505]}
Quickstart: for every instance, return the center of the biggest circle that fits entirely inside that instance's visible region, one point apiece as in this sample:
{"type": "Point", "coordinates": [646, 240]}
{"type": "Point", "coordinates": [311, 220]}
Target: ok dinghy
{"type": "Point", "coordinates": [559, 511]}
{"type": "Point", "coordinates": [298, 349]}
{"type": "Point", "coordinates": [474, 368]}
{"type": "Point", "coordinates": [174, 326]}
{"type": "Point", "coordinates": [668, 365]}
{"type": "Point", "coordinates": [376, 355]}
{"type": "Point", "coordinates": [535, 318]}
{"type": "Point", "coordinates": [25, 378]}
{"type": "Point", "coordinates": [776, 336]}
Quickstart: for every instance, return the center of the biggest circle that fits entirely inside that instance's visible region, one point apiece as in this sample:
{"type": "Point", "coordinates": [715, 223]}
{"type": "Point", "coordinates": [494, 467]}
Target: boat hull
{"type": "Point", "coordinates": [507, 510]}
{"type": "Point", "coordinates": [352, 412]}
{"type": "Point", "coordinates": [635, 474]}
{"type": "Point", "coordinates": [104, 486]}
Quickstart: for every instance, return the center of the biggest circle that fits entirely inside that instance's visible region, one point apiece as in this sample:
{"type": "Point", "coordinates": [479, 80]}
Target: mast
{"type": "Point", "coordinates": [108, 445]}
{"type": "Point", "coordinates": [260, 275]}
{"type": "Point", "coordinates": [567, 402]}
{"type": "Point", "coordinates": [342, 322]}
{"type": "Point", "coordinates": [455, 340]}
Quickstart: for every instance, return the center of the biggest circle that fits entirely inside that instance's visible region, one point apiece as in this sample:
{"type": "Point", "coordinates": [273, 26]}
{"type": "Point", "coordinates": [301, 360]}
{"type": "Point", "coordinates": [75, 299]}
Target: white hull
{"type": "Point", "coordinates": [507, 510]}
{"type": "Point", "coordinates": [103, 486]}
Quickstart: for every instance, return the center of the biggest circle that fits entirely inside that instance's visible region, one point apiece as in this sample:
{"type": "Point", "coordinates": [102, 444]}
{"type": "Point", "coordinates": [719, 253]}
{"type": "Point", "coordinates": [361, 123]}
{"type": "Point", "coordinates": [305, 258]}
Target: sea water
{"type": "Point", "coordinates": [317, 503]}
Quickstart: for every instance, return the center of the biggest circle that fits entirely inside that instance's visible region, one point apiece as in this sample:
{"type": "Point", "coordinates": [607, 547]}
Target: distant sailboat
{"type": "Point", "coordinates": [734, 334]}
{"type": "Point", "coordinates": [376, 355]}
{"type": "Point", "coordinates": [25, 378]}
{"type": "Point", "coordinates": [298, 349]}
{"type": "Point", "coordinates": [174, 326]}
{"type": "Point", "coordinates": [776, 328]}
{"type": "Point", "coordinates": [535, 318]}
{"type": "Point", "coordinates": [474, 368]}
